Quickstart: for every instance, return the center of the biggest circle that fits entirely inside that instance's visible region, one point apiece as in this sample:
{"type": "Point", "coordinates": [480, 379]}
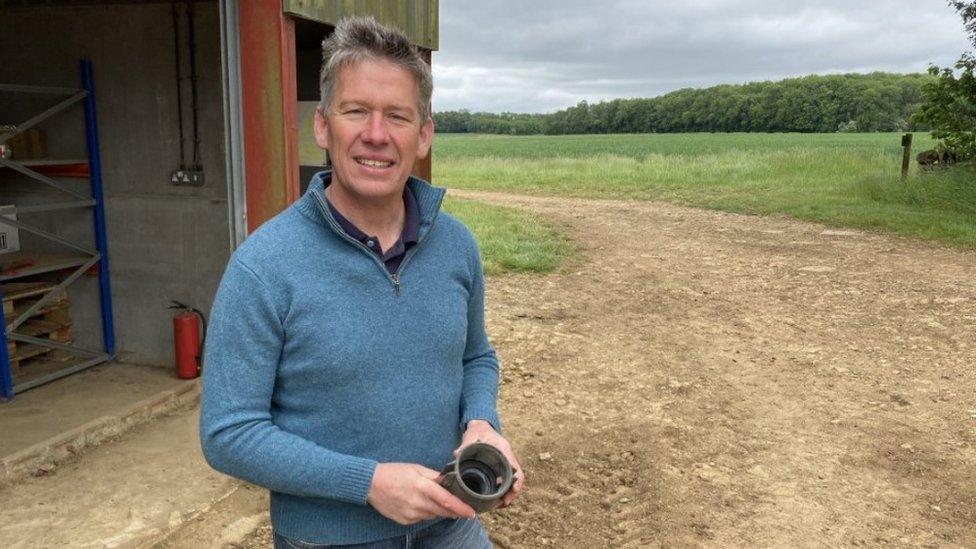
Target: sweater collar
{"type": "Point", "coordinates": [427, 196]}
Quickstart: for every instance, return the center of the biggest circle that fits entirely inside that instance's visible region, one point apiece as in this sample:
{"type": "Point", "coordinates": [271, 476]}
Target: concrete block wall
{"type": "Point", "coordinates": [165, 242]}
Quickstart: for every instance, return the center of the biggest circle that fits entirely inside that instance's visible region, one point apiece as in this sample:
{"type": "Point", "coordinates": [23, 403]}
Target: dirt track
{"type": "Point", "coordinates": [710, 379]}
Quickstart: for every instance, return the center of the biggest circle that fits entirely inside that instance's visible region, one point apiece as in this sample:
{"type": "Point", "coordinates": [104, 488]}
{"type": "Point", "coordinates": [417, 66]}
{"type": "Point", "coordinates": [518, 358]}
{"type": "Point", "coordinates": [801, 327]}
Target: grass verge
{"type": "Point", "coordinates": [511, 240]}
{"type": "Point", "coordinates": [940, 205]}
{"type": "Point", "coordinates": [840, 180]}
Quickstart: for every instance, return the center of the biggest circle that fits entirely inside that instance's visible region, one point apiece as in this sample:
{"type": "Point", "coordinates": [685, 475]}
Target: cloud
{"type": "Point", "coordinates": [503, 55]}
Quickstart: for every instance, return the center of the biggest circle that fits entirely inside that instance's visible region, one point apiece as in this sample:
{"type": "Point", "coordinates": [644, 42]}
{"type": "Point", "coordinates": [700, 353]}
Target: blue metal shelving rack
{"type": "Point", "coordinates": [81, 259]}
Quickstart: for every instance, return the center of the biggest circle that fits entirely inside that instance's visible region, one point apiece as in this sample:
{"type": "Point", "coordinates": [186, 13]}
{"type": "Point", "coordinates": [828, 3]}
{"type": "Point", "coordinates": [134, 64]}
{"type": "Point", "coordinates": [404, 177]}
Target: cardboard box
{"type": "Point", "coordinates": [28, 145]}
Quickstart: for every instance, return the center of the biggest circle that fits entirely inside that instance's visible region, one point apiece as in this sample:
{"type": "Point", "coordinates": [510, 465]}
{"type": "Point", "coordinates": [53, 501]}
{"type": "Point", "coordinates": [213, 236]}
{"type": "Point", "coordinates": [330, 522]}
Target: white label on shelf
{"type": "Point", "coordinates": [9, 235]}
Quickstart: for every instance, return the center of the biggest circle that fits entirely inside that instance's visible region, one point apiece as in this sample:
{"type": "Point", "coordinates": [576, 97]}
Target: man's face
{"type": "Point", "coordinates": [373, 131]}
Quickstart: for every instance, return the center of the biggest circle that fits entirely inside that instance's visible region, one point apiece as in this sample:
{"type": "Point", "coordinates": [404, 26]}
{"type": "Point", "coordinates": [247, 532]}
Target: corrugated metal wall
{"type": "Point", "coordinates": [417, 18]}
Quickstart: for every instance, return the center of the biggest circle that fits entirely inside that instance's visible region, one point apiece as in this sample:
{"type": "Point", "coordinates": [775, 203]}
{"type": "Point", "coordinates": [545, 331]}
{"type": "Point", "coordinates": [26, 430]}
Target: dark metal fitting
{"type": "Point", "coordinates": [480, 476]}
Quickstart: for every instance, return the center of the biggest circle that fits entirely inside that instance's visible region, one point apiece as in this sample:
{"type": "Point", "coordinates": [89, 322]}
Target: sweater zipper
{"type": "Point", "coordinates": [396, 283]}
{"type": "Point", "coordinates": [394, 278]}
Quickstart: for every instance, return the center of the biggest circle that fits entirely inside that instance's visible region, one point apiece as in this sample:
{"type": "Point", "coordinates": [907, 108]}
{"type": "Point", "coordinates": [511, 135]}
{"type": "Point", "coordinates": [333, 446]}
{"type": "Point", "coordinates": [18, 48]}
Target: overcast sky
{"type": "Point", "coordinates": [544, 55]}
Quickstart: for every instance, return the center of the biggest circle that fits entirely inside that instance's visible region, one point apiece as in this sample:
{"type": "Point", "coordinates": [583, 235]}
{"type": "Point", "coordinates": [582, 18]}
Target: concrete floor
{"type": "Point", "coordinates": [125, 493]}
{"type": "Point", "coordinates": [48, 424]}
{"type": "Point", "coordinates": [110, 457]}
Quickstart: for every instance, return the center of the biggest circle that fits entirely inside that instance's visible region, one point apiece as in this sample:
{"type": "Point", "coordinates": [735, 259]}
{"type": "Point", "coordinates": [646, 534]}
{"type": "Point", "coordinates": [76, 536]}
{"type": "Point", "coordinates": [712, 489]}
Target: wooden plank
{"type": "Point", "coordinates": [25, 352]}
{"type": "Point", "coordinates": [59, 314]}
{"type": "Point", "coordinates": [15, 292]}
{"type": "Point", "coordinates": [55, 331]}
{"type": "Point", "coordinates": [38, 328]}
{"type": "Point", "coordinates": [59, 302]}
{"type": "Point", "coordinates": [28, 350]}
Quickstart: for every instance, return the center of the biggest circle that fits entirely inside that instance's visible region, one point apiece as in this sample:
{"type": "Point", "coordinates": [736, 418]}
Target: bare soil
{"type": "Point", "coordinates": [709, 379]}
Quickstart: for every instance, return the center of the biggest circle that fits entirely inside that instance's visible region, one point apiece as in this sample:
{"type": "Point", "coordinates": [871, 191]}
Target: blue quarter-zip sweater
{"type": "Point", "coordinates": [320, 364]}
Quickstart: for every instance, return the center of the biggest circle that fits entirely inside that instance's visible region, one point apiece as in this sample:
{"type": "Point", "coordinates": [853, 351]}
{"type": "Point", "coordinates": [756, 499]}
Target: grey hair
{"type": "Point", "coordinates": [358, 39]}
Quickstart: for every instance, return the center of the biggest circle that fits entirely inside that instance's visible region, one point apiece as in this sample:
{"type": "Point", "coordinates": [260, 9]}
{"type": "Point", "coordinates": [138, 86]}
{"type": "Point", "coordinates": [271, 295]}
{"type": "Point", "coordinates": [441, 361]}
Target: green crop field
{"type": "Point", "coordinates": [641, 146]}
{"type": "Point", "coordinates": [510, 240]}
{"type": "Point", "coordinates": [847, 180]}
{"type": "Point", "coordinates": [839, 179]}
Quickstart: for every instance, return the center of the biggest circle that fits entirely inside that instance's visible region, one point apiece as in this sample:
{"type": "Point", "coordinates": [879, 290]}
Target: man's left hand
{"type": "Point", "coordinates": [479, 430]}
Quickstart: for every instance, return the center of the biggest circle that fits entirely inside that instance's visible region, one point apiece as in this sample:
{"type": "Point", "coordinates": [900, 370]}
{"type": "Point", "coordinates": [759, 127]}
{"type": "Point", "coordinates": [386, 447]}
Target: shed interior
{"type": "Point", "coordinates": [164, 241]}
{"type": "Point", "coordinates": [308, 62]}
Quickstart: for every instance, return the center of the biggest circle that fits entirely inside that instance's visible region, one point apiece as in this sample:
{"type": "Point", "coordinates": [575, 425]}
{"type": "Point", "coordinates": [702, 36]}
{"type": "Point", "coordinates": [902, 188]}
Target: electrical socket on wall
{"type": "Point", "coordinates": [192, 178]}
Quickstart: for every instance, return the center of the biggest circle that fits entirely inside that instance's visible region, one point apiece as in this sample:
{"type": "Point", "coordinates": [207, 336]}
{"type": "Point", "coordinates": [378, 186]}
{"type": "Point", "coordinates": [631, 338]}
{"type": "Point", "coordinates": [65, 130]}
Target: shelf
{"type": "Point", "coordinates": [20, 264]}
{"type": "Point", "coordinates": [55, 167]}
{"type": "Point", "coordinates": [32, 162]}
{"type": "Point", "coordinates": [16, 294]}
{"type": "Point", "coordinates": [46, 330]}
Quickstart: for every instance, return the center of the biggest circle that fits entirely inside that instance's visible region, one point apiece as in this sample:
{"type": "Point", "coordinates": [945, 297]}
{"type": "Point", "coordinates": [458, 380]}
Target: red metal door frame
{"type": "Point", "coordinates": [270, 110]}
{"type": "Point", "coordinates": [269, 102]}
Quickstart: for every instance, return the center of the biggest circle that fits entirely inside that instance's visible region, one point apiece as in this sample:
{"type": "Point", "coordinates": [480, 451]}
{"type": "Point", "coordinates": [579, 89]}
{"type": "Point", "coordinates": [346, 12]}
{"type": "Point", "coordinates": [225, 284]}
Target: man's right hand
{"type": "Point", "coordinates": [409, 493]}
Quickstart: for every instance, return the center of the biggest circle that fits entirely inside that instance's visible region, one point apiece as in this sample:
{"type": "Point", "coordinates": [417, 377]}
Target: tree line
{"type": "Point", "coordinates": [943, 101]}
{"type": "Point", "coordinates": [819, 103]}
{"type": "Point", "coordinates": [950, 97]}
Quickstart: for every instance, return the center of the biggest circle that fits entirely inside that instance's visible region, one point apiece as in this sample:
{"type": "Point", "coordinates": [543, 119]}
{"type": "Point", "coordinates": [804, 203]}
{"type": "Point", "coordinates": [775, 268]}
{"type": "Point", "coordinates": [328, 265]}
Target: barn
{"type": "Point", "coordinates": [142, 141]}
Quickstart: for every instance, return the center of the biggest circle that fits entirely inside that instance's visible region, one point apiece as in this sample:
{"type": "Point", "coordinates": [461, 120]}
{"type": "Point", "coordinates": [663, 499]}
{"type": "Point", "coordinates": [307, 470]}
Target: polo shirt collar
{"type": "Point", "coordinates": [411, 220]}
{"type": "Point", "coordinates": [428, 198]}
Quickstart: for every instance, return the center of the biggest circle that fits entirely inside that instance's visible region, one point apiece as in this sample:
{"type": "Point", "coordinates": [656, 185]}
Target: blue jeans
{"type": "Point", "coordinates": [446, 534]}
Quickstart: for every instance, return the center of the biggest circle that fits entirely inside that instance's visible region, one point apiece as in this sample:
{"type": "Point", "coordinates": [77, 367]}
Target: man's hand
{"type": "Point", "coordinates": [479, 430]}
{"type": "Point", "coordinates": [409, 493]}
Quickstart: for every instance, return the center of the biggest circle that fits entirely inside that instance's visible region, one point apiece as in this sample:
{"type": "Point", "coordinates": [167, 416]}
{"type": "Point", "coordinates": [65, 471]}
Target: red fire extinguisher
{"type": "Point", "coordinates": [187, 341]}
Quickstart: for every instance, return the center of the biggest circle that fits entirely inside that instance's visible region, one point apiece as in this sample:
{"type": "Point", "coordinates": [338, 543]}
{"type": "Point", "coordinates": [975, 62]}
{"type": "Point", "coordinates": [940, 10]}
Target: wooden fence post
{"type": "Point", "coordinates": [906, 155]}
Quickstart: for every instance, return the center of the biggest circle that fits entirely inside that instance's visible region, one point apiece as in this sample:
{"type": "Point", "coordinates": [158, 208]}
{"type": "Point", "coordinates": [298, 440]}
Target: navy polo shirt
{"type": "Point", "coordinates": [393, 256]}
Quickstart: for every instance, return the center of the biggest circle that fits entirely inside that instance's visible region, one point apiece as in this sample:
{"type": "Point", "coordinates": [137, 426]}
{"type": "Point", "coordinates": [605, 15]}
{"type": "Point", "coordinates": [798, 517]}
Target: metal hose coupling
{"type": "Point", "coordinates": [480, 476]}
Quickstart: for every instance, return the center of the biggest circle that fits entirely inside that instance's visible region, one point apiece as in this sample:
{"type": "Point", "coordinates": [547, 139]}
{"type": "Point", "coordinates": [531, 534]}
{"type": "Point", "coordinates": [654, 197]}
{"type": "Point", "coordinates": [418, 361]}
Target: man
{"type": "Point", "coordinates": [347, 360]}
